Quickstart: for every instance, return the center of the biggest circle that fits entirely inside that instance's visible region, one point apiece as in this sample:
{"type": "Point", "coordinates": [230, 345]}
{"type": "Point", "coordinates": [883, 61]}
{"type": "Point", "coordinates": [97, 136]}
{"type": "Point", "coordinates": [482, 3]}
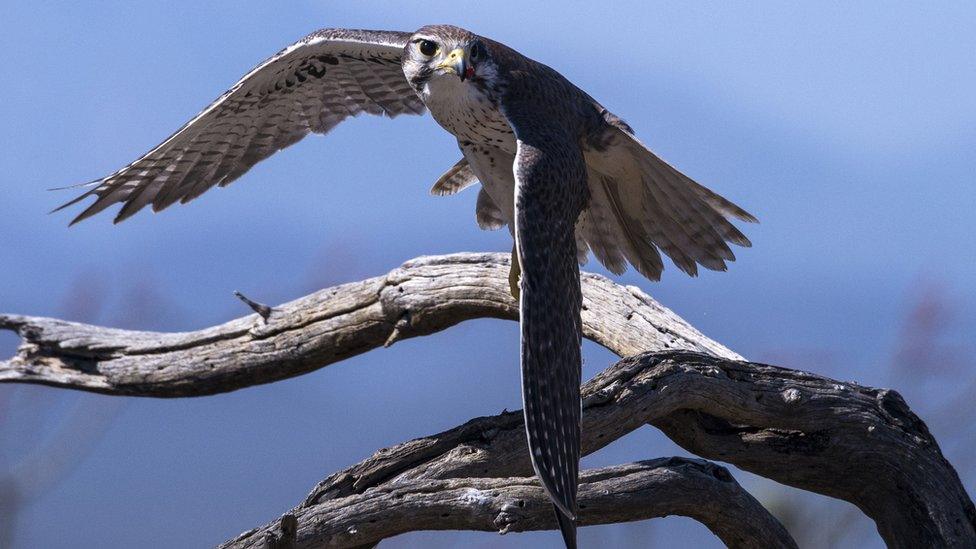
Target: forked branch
{"type": "Point", "coordinates": [423, 296]}
{"type": "Point", "coordinates": [841, 439]}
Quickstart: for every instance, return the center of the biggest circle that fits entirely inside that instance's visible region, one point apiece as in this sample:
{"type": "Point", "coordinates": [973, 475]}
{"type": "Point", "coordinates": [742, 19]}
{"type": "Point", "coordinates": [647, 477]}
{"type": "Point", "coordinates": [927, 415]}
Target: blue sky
{"type": "Point", "coordinates": [848, 129]}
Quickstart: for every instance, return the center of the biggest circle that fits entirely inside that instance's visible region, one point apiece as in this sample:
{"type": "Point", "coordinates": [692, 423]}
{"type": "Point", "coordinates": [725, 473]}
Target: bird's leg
{"type": "Point", "coordinates": [514, 274]}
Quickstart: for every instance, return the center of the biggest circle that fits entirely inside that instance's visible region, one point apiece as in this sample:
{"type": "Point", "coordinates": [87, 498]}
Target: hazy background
{"type": "Point", "coordinates": [848, 129]}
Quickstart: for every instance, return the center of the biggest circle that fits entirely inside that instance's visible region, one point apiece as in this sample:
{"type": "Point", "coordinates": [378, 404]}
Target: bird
{"type": "Point", "coordinates": [563, 173]}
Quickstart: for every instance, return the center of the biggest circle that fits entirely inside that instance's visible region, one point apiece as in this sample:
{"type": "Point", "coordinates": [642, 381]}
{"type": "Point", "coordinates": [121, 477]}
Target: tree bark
{"type": "Point", "coordinates": [638, 491]}
{"type": "Point", "coordinates": [856, 443]}
{"type": "Point", "coordinates": [423, 296]}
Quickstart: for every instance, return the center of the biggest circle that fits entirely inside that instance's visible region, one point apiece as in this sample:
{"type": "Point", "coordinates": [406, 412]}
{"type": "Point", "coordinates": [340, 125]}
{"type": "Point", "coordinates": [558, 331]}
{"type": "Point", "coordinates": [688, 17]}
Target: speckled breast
{"type": "Point", "coordinates": [469, 114]}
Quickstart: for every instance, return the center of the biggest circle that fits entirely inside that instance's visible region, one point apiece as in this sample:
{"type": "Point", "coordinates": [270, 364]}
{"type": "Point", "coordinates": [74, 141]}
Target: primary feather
{"type": "Point", "coordinates": [310, 86]}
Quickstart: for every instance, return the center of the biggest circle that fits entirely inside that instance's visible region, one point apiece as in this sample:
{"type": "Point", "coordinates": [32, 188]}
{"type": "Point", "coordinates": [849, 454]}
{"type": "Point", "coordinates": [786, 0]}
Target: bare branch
{"type": "Point", "coordinates": [423, 296]}
{"type": "Point", "coordinates": [855, 443]}
{"type": "Point", "coordinates": [852, 442]}
{"type": "Point", "coordinates": [657, 488]}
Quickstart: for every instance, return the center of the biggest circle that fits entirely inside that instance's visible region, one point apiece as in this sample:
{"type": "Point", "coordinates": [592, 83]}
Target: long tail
{"type": "Point", "coordinates": [567, 527]}
{"type": "Point", "coordinates": [550, 305]}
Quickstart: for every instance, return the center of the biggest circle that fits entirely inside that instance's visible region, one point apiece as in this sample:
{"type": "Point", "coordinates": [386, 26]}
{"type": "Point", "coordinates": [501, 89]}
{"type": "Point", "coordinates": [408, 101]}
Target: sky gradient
{"type": "Point", "coordinates": [849, 130]}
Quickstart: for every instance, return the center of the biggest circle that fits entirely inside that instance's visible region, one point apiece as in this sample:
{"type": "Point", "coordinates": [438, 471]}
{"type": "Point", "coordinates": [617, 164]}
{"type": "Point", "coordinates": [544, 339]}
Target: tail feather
{"type": "Point", "coordinates": [550, 194]}
{"type": "Point", "coordinates": [567, 527]}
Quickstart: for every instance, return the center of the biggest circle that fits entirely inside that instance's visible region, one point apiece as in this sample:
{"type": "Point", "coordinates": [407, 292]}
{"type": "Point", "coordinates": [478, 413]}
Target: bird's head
{"type": "Point", "coordinates": [442, 51]}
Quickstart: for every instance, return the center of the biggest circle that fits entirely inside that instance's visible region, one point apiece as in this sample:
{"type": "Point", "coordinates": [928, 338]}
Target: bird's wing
{"type": "Point", "coordinates": [461, 176]}
{"type": "Point", "coordinates": [639, 204]}
{"type": "Point", "coordinates": [487, 213]}
{"type": "Point", "coordinates": [550, 178]}
{"type": "Point", "coordinates": [310, 86]}
{"type": "Point", "coordinates": [456, 179]}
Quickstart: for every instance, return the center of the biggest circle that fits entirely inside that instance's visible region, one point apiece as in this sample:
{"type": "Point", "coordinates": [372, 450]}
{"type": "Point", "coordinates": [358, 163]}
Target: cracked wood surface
{"type": "Point", "coordinates": [668, 486]}
{"type": "Point", "coordinates": [855, 443]}
{"type": "Point", "coordinates": [421, 297]}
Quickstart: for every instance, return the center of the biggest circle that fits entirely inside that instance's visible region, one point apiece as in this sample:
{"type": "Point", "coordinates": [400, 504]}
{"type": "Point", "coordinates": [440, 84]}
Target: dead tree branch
{"type": "Point", "coordinates": [855, 443]}
{"type": "Point", "coordinates": [669, 486]}
{"type": "Point", "coordinates": [423, 296]}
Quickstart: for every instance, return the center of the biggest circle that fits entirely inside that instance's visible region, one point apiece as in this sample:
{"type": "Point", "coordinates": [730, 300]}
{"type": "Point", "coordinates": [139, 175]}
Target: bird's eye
{"type": "Point", "coordinates": [478, 51]}
{"type": "Point", "coordinates": [428, 47]}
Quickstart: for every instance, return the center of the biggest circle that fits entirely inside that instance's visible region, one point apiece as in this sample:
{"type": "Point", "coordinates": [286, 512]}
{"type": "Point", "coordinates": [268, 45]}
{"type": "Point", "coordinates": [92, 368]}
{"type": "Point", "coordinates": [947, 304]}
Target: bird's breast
{"type": "Point", "coordinates": [468, 113]}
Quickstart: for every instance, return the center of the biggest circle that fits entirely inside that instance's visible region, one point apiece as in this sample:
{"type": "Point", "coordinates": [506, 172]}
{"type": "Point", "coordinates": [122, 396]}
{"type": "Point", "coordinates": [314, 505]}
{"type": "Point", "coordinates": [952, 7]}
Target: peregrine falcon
{"type": "Point", "coordinates": [562, 172]}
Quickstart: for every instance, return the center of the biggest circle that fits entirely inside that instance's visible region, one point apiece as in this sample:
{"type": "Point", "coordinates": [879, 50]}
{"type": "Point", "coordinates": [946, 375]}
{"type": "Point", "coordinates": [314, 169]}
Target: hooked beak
{"type": "Point", "coordinates": [457, 64]}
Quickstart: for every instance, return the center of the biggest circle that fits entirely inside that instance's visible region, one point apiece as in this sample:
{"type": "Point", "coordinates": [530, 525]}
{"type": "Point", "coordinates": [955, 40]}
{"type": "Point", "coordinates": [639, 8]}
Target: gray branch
{"type": "Point", "coordinates": [423, 296]}
{"type": "Point", "coordinates": [673, 486]}
{"type": "Point", "coordinates": [855, 443]}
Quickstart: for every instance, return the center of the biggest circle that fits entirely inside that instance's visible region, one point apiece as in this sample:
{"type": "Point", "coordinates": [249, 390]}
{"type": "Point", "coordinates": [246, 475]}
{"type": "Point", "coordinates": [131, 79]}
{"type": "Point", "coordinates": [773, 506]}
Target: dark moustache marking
{"type": "Point", "coordinates": [421, 77]}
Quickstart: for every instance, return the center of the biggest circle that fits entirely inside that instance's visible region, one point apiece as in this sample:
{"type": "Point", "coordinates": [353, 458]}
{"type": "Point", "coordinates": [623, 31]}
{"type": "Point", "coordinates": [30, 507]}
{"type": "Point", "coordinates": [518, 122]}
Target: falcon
{"type": "Point", "coordinates": [562, 172]}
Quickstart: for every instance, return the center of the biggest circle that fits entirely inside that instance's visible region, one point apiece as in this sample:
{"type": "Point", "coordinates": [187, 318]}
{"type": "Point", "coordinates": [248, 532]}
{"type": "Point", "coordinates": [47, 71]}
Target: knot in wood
{"type": "Point", "coordinates": [509, 514]}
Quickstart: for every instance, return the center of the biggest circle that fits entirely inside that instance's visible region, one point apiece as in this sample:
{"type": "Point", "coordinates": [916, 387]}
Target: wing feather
{"type": "Point", "coordinates": [599, 228]}
{"type": "Point", "coordinates": [310, 86]}
{"type": "Point", "coordinates": [459, 177]}
{"type": "Point", "coordinates": [655, 205]}
{"type": "Point", "coordinates": [639, 250]}
{"type": "Point", "coordinates": [487, 213]}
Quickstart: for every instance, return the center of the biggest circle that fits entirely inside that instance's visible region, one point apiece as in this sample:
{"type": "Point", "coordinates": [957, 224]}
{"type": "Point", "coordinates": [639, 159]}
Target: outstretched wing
{"type": "Point", "coordinates": [640, 204]}
{"type": "Point", "coordinates": [310, 86]}
{"type": "Point", "coordinates": [455, 180]}
{"type": "Point", "coordinates": [550, 178]}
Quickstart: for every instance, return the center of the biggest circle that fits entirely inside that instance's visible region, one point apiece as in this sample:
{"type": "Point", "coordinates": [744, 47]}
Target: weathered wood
{"type": "Point", "coordinates": [669, 486]}
{"type": "Point", "coordinates": [423, 296]}
{"type": "Point", "coordinates": [856, 443]}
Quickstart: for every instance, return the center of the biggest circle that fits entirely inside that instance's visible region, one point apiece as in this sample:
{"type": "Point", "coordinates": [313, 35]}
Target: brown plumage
{"type": "Point", "coordinates": [566, 176]}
